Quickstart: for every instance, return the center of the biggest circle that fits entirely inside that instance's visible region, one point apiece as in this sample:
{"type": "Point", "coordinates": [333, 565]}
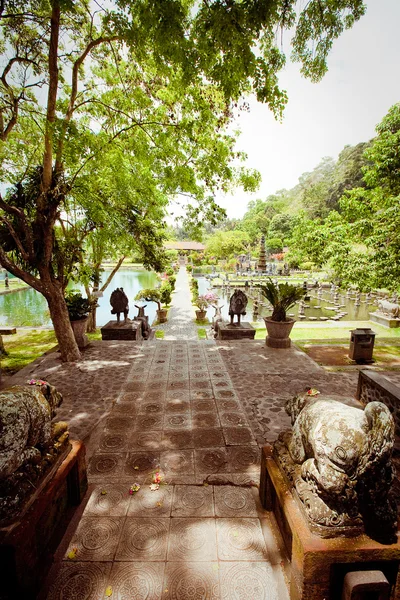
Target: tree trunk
{"type": "Point", "coordinates": [62, 327]}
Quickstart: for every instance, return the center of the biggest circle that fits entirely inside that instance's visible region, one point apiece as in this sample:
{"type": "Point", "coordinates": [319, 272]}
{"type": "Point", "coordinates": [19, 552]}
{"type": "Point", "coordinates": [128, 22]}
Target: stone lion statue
{"type": "Point", "coordinates": [120, 303]}
{"type": "Point", "coordinates": [237, 305]}
{"type": "Point", "coordinates": [391, 309]}
{"type": "Point", "coordinates": [29, 441]}
{"type": "Point", "coordinates": [339, 460]}
{"type": "Point", "coordinates": [25, 424]}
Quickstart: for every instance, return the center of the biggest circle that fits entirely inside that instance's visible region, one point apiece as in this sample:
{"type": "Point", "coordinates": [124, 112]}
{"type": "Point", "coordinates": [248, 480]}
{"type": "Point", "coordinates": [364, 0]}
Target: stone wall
{"type": "Point", "coordinates": [373, 386]}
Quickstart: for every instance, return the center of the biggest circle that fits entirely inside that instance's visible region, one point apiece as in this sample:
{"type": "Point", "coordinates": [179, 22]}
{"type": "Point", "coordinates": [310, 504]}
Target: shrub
{"type": "Point", "coordinates": [78, 307]}
{"type": "Point", "coordinates": [189, 268]}
{"type": "Point", "coordinates": [169, 271]}
{"type": "Point", "coordinates": [165, 293]}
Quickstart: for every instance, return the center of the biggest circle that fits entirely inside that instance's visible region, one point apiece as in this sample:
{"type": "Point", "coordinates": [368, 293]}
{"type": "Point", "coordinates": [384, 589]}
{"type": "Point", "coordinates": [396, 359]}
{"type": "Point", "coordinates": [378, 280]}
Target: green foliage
{"type": "Point", "coordinates": [282, 297]}
{"type": "Point", "coordinates": [150, 295]}
{"type": "Point", "coordinates": [169, 271]}
{"type": "Point", "coordinates": [166, 293]}
{"type": "Point", "coordinates": [227, 244]}
{"type": "Point", "coordinates": [273, 245]}
{"type": "Point", "coordinates": [78, 307]}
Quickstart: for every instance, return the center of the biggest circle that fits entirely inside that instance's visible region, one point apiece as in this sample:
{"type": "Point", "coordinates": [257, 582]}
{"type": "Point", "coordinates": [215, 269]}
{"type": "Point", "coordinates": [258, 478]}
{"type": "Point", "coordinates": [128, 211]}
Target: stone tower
{"type": "Point", "coordinates": [262, 261]}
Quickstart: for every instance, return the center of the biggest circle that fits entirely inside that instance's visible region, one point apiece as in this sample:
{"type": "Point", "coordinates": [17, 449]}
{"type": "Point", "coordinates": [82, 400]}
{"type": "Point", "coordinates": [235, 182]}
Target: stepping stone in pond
{"type": "Point", "coordinates": [313, 318]}
{"type": "Point", "coordinates": [324, 319]}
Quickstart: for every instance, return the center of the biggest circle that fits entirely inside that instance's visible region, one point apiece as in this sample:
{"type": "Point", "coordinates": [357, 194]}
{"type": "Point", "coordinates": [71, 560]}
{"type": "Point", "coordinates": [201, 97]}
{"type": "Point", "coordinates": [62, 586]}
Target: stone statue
{"type": "Point", "coordinates": [338, 458]}
{"type": "Point", "coordinates": [237, 305]}
{"type": "Point", "coordinates": [120, 303]}
{"type": "Point", "coordinates": [146, 329]}
{"type": "Point", "coordinates": [390, 309]}
{"type": "Point", "coordinates": [217, 318]}
{"type": "Point", "coordinates": [29, 441]}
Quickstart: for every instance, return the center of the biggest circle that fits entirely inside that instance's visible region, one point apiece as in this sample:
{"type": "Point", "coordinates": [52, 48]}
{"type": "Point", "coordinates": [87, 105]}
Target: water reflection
{"type": "Point", "coordinates": [29, 308]}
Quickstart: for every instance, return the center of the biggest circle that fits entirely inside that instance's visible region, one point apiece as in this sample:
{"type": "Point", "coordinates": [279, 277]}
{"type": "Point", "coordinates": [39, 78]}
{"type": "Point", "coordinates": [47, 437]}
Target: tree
{"type": "Point", "coordinates": [190, 65]}
{"type": "Point", "coordinates": [373, 212]}
{"type": "Point", "coordinates": [281, 226]}
{"type": "Point", "coordinates": [227, 244]}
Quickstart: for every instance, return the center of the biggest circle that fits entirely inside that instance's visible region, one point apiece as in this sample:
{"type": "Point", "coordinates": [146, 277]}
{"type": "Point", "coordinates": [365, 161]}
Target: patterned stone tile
{"type": "Point", "coordinates": [245, 459]}
{"type": "Point", "coordinates": [176, 421]}
{"type": "Point", "coordinates": [208, 420]}
{"type": "Point", "coordinates": [150, 397]}
{"type": "Point", "coordinates": [113, 442]}
{"type": "Point", "coordinates": [119, 423]}
{"type": "Point", "coordinates": [108, 500]}
{"type": "Point", "coordinates": [96, 538]}
{"type": "Point", "coordinates": [225, 394]}
{"type": "Point", "coordinates": [80, 581]}
{"type": "Point", "coordinates": [203, 406]}
{"type": "Point", "coordinates": [240, 539]}
{"type": "Point", "coordinates": [191, 581]}
{"type": "Point", "coordinates": [177, 406]}
{"type": "Point", "coordinates": [233, 419]}
{"type": "Point", "coordinates": [143, 539]}
{"type": "Point", "coordinates": [148, 440]}
{"type": "Point", "coordinates": [177, 462]}
{"type": "Point", "coordinates": [151, 408]}
{"type": "Point", "coordinates": [253, 580]}
{"type": "Point", "coordinates": [141, 462]}
{"type": "Point", "coordinates": [234, 502]}
{"type": "Point", "coordinates": [149, 422]}
{"type": "Point", "coordinates": [202, 385]}
{"type": "Point", "coordinates": [106, 465]}
{"type": "Point", "coordinates": [176, 440]}
{"type": "Point", "coordinates": [199, 375]}
{"type": "Point", "coordinates": [193, 501]}
{"type": "Point", "coordinates": [228, 405]}
{"type": "Point", "coordinates": [192, 540]}
{"type": "Point", "coordinates": [178, 385]}
{"type": "Point", "coordinates": [124, 408]}
{"type": "Point", "coordinates": [208, 438]}
{"type": "Point", "coordinates": [149, 503]}
{"type": "Point", "coordinates": [211, 460]}
{"type": "Point", "coordinates": [137, 581]}
{"type": "Point", "coordinates": [178, 395]}
{"type": "Point", "coordinates": [236, 436]}
{"type": "Point", "coordinates": [201, 394]}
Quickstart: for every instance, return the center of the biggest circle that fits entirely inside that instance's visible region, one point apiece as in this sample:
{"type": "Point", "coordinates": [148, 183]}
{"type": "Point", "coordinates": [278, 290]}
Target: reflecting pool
{"type": "Point", "coordinates": [28, 308]}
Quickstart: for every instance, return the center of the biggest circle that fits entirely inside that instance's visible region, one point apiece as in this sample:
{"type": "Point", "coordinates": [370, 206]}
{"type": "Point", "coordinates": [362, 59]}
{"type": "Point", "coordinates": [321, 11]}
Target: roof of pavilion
{"type": "Point", "coordinates": [184, 246]}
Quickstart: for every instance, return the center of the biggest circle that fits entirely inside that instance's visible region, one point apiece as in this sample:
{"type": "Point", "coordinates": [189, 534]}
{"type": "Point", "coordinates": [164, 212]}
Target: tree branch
{"type": "Point", "coordinates": [74, 91]}
{"type": "Point", "coordinates": [111, 275]}
{"type": "Point", "coordinates": [6, 263]}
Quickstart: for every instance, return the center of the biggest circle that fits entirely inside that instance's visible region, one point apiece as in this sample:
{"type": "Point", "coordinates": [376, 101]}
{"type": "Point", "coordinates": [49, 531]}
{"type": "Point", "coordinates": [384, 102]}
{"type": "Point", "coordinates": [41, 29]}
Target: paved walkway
{"type": "Point", "coordinates": [196, 412]}
{"type": "Point", "coordinates": [180, 325]}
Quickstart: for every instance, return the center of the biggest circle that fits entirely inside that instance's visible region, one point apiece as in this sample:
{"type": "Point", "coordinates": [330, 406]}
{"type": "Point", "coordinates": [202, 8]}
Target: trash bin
{"type": "Point", "coordinates": [362, 344]}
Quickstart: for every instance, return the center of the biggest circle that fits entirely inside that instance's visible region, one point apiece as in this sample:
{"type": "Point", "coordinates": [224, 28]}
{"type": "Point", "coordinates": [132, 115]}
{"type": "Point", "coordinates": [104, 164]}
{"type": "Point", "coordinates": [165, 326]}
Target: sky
{"type": "Point", "coordinates": [362, 83]}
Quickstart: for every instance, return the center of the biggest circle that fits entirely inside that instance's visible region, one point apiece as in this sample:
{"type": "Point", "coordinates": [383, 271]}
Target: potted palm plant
{"type": "Point", "coordinates": [281, 296]}
{"type": "Point", "coordinates": [78, 310]}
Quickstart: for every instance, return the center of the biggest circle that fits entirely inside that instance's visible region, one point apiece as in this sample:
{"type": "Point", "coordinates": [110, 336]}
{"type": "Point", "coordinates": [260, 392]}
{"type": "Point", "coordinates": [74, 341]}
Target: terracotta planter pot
{"type": "Point", "coordinates": [79, 329]}
{"type": "Point", "coordinates": [278, 333]}
{"type": "Point", "coordinates": [162, 315]}
{"type": "Point", "coordinates": [201, 315]}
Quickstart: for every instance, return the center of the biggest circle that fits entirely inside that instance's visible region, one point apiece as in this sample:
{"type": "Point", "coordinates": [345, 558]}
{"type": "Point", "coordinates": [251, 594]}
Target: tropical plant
{"type": "Point", "coordinates": [78, 307]}
{"type": "Point", "coordinates": [282, 296]}
{"type": "Point", "coordinates": [202, 302]}
{"type": "Point", "coordinates": [150, 295]}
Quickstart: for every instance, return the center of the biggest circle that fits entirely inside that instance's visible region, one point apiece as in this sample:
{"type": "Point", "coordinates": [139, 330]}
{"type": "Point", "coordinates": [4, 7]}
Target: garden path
{"type": "Point", "coordinates": [198, 412]}
{"type": "Point", "coordinates": [181, 316]}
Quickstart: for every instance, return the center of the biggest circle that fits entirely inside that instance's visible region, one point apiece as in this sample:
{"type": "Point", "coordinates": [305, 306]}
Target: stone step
{"type": "Point", "coordinates": [7, 330]}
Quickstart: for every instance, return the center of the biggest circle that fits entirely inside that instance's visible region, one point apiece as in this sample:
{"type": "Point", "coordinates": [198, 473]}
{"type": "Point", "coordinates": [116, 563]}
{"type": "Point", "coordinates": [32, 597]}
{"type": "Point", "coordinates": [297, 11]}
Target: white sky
{"type": "Point", "coordinates": [362, 83]}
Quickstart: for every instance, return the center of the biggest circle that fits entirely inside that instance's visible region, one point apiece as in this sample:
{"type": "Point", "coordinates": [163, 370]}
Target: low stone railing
{"type": "Point", "coordinates": [373, 386]}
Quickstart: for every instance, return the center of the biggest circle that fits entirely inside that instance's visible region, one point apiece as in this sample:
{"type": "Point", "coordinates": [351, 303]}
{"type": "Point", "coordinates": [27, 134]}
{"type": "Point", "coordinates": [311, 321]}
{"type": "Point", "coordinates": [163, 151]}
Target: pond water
{"type": "Point", "coordinates": [28, 308]}
{"type": "Point", "coordinates": [318, 306]}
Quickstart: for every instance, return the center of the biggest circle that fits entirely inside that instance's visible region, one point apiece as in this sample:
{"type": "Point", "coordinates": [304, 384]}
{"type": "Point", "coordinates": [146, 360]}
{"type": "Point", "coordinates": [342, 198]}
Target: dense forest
{"type": "Point", "coordinates": [344, 216]}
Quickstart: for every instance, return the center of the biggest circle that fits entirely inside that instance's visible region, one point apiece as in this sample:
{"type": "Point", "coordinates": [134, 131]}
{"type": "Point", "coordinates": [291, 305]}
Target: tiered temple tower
{"type": "Point", "coordinates": [262, 261]}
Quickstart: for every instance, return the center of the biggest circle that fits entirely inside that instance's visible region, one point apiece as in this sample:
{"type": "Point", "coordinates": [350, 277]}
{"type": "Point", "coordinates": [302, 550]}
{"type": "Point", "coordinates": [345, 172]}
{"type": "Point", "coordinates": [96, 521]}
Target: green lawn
{"type": "Point", "coordinates": [26, 346]}
{"type": "Point", "coordinates": [334, 332]}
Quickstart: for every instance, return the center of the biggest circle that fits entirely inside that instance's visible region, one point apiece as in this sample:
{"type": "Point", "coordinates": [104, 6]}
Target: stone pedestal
{"type": "Point", "coordinates": [27, 544]}
{"type": "Point", "coordinates": [235, 331]}
{"type": "Point", "coordinates": [132, 330]}
{"type": "Point", "coordinates": [319, 566]}
{"type": "Point", "coordinates": [384, 320]}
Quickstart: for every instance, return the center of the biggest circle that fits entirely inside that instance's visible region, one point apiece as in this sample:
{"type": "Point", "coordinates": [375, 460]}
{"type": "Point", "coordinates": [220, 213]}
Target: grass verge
{"type": "Point", "coordinates": [26, 346]}
{"type": "Point", "coordinates": [201, 332]}
{"type": "Point", "coordinates": [159, 334]}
